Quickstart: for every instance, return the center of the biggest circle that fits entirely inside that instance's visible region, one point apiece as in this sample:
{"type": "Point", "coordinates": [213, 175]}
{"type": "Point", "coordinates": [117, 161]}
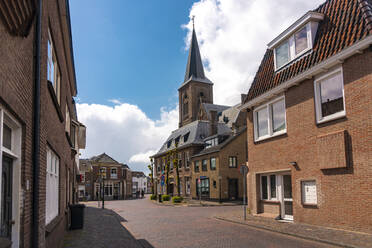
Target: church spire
{"type": "Point", "coordinates": [194, 68]}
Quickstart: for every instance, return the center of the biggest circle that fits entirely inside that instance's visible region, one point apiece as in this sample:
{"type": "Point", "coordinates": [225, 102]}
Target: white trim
{"type": "Point", "coordinates": [15, 154]}
{"type": "Point", "coordinates": [309, 16]}
{"type": "Point", "coordinates": [318, 108]}
{"type": "Point", "coordinates": [292, 55]}
{"type": "Point", "coordinates": [271, 133]}
{"type": "Point", "coordinates": [268, 186]}
{"type": "Point", "coordinates": [316, 69]}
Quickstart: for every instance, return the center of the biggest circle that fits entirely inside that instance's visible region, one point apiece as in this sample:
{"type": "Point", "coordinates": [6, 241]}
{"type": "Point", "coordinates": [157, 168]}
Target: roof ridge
{"type": "Point", "coordinates": [366, 9]}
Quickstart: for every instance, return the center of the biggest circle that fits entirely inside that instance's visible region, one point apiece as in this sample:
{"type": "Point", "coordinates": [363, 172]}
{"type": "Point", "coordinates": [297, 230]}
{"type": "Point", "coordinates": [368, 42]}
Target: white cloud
{"type": "Point", "coordinates": [233, 34]}
{"type": "Point", "coordinates": [124, 132]}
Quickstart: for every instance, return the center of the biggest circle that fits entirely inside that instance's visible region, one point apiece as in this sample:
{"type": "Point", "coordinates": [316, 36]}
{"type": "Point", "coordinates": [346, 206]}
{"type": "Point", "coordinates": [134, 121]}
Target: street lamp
{"type": "Point", "coordinates": [219, 181]}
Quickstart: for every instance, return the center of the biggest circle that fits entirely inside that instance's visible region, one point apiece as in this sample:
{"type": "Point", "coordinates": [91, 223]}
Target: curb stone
{"type": "Point", "coordinates": [287, 233]}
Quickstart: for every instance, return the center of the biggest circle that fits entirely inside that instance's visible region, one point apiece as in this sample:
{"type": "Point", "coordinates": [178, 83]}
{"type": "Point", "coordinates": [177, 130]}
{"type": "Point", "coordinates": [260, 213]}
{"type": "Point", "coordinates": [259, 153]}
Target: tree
{"type": "Point", "coordinates": [151, 168]}
{"type": "Point", "coordinates": [175, 164]}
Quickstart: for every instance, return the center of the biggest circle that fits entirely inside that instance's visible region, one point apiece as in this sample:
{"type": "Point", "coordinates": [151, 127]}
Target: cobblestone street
{"type": "Point", "coordinates": [150, 225]}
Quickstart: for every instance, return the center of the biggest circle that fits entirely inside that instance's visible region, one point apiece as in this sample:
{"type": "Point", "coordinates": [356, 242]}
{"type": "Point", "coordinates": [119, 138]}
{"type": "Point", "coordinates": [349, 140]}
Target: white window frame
{"type": "Point", "coordinates": [291, 46]}
{"type": "Point", "coordinates": [318, 104]}
{"type": "Point", "coordinates": [52, 186]}
{"type": "Point", "coordinates": [105, 172]}
{"type": "Point", "coordinates": [15, 153]}
{"type": "Point", "coordinates": [215, 163]}
{"type": "Point", "coordinates": [108, 185]}
{"type": "Point", "coordinates": [53, 63]}
{"type": "Point", "coordinates": [234, 160]}
{"type": "Point", "coordinates": [114, 175]}
{"type": "Point", "coordinates": [267, 106]}
{"type": "Point", "coordinates": [303, 194]}
{"type": "Point", "coordinates": [269, 198]}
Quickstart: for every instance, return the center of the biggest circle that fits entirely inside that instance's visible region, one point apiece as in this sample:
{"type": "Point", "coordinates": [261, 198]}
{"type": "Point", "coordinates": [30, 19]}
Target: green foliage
{"type": "Point", "coordinates": [177, 199]}
{"type": "Point", "coordinates": [165, 197]}
{"type": "Point", "coordinates": [153, 197]}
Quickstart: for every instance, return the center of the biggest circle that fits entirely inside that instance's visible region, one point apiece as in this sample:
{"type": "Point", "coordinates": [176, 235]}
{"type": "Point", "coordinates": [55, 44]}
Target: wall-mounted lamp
{"type": "Point", "coordinates": [293, 164]}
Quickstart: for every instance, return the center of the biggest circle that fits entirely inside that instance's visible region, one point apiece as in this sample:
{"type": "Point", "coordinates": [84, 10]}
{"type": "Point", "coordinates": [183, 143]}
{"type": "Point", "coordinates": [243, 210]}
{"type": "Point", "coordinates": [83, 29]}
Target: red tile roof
{"type": "Point", "coordinates": [345, 22]}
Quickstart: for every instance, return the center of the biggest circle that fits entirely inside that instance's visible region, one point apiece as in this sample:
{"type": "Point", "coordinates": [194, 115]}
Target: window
{"type": "Point", "coordinates": [185, 108]}
{"type": "Point", "coordinates": [7, 137]}
{"type": "Point", "coordinates": [196, 166]}
{"type": "Point", "coordinates": [186, 137]}
{"type": "Point", "coordinates": [102, 172]}
{"type": "Point", "coordinates": [213, 163]}
{"type": "Point", "coordinates": [188, 186]}
{"type": "Point", "coordinates": [204, 165]}
{"type": "Point", "coordinates": [269, 119]}
{"type": "Point", "coordinates": [308, 190]}
{"type": "Point", "coordinates": [293, 47]}
{"type": "Point", "coordinates": [169, 143]}
{"type": "Point", "coordinates": [114, 173]}
{"type": "Point", "coordinates": [68, 120]}
{"type": "Point", "coordinates": [300, 39]}
{"type": "Point", "coordinates": [54, 75]}
{"type": "Point", "coordinates": [124, 171]}
{"type": "Point", "coordinates": [179, 156]}
{"type": "Point", "coordinates": [233, 162]}
{"type": "Point", "coordinates": [211, 142]}
{"type": "Point", "coordinates": [52, 186]}
{"type": "Point", "coordinates": [108, 188]}
{"type": "Point", "coordinates": [282, 54]}
{"type": "Point", "coordinates": [268, 187]}
{"type": "Point", "coordinates": [187, 158]}
{"type": "Point", "coordinates": [203, 187]}
{"type": "Point", "coordinates": [329, 96]}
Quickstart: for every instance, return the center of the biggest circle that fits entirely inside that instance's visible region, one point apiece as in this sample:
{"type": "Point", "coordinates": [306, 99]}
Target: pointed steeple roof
{"type": "Point", "coordinates": [194, 68]}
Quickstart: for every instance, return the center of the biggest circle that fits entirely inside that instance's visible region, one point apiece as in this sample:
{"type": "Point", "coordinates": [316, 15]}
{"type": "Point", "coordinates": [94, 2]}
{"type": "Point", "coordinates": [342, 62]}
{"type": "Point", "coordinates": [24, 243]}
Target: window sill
{"type": "Point", "coordinates": [309, 204]}
{"type": "Point", "coordinates": [332, 117]}
{"type": "Point", "coordinates": [53, 224]}
{"type": "Point", "coordinates": [55, 100]}
{"type": "Point", "coordinates": [271, 136]}
{"type": "Point", "coordinates": [270, 201]}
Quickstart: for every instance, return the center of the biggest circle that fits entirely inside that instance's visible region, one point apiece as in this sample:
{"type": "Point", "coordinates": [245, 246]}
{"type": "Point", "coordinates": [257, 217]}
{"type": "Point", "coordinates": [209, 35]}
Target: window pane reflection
{"type": "Point", "coordinates": [331, 95]}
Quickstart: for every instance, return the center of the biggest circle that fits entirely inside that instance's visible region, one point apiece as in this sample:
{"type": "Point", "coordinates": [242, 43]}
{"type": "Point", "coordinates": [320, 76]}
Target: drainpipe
{"type": "Point", "coordinates": [36, 129]}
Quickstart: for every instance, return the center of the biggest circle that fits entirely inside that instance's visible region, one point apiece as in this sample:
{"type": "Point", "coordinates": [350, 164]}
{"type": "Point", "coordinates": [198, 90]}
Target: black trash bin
{"type": "Point", "coordinates": [77, 216]}
{"type": "Point", "coordinates": [160, 198]}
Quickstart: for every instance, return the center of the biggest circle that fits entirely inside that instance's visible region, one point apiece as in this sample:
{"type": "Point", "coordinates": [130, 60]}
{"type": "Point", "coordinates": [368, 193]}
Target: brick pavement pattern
{"type": "Point", "coordinates": [180, 226]}
{"type": "Point", "coordinates": [102, 229]}
{"type": "Point", "coordinates": [339, 237]}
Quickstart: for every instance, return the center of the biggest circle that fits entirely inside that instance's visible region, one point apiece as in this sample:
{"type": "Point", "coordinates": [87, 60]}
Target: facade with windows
{"type": "Point", "coordinates": [202, 125]}
{"type": "Point", "coordinates": [309, 118]}
{"type": "Point", "coordinates": [139, 181]}
{"type": "Point", "coordinates": [215, 172]}
{"type": "Point", "coordinates": [40, 135]}
{"type": "Point", "coordinates": [104, 177]}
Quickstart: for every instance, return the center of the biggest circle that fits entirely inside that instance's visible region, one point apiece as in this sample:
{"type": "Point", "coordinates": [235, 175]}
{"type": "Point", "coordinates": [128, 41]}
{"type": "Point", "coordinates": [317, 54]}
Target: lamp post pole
{"type": "Point", "coordinates": [220, 180]}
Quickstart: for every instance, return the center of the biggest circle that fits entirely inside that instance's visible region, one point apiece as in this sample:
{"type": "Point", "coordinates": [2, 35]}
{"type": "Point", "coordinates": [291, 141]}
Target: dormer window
{"type": "Point", "coordinates": [296, 40]}
{"type": "Point", "coordinates": [294, 47]}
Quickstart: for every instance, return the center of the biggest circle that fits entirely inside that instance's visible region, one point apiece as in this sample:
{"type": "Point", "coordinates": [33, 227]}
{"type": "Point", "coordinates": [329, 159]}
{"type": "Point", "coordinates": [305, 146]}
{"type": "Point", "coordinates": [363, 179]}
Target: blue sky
{"type": "Point", "coordinates": [133, 51]}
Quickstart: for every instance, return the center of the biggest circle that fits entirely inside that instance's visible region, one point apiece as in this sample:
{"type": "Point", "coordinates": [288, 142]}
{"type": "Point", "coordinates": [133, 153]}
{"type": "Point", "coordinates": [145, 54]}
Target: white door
{"type": "Point", "coordinates": [286, 201]}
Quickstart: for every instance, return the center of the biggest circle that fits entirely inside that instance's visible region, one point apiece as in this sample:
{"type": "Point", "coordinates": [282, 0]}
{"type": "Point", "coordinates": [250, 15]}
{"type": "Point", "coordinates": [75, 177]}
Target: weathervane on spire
{"type": "Point", "coordinates": [193, 21]}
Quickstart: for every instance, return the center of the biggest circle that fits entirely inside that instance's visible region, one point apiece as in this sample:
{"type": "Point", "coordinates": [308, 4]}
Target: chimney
{"type": "Point", "coordinates": [242, 97]}
{"type": "Point", "coordinates": [213, 123]}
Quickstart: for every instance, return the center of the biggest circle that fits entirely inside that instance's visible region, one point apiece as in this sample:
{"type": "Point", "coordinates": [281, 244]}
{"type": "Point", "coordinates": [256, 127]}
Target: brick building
{"type": "Point", "coordinates": [39, 131]}
{"type": "Point", "coordinates": [201, 124]}
{"type": "Point", "coordinates": [309, 120]}
{"type": "Point", "coordinates": [104, 175]}
{"type": "Point", "coordinates": [139, 182]}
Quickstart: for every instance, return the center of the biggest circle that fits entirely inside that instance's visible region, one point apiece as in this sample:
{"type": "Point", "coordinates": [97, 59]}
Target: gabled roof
{"type": "Point", "coordinates": [346, 22]}
{"type": "Point", "coordinates": [103, 158]}
{"type": "Point", "coordinates": [220, 146]}
{"type": "Point", "coordinates": [196, 131]}
{"type": "Point", "coordinates": [194, 67]}
{"type": "Point", "coordinates": [138, 174]}
{"type": "Point", "coordinates": [208, 107]}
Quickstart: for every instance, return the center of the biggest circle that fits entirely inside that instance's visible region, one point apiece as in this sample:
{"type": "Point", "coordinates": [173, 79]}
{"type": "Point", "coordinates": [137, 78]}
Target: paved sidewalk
{"type": "Point", "coordinates": [102, 228]}
{"type": "Point", "coordinates": [330, 236]}
{"type": "Point", "coordinates": [197, 203]}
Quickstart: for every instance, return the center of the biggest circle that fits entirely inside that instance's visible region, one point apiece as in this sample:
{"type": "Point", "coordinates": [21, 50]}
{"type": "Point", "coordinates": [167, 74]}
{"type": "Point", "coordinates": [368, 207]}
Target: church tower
{"type": "Point", "coordinates": [196, 87]}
